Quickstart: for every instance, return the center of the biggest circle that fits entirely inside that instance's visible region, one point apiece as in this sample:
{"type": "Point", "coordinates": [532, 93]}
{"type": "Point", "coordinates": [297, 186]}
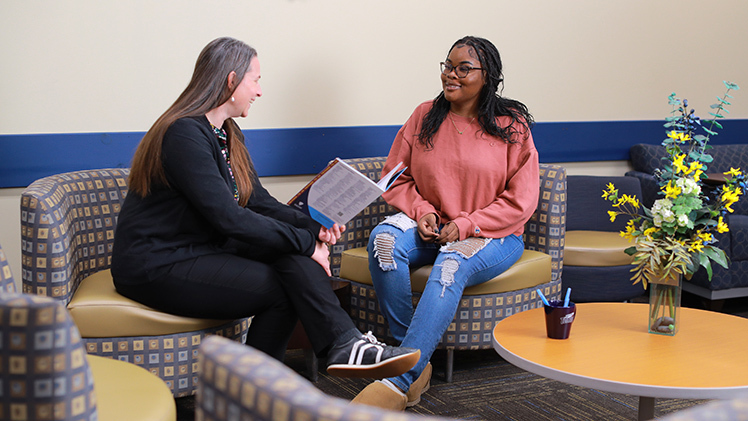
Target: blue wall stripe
{"type": "Point", "coordinates": [28, 157]}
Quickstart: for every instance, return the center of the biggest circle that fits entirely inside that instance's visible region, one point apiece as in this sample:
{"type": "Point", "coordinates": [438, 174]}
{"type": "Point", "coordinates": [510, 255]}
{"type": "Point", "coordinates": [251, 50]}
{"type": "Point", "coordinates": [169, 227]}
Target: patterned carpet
{"type": "Point", "coordinates": [485, 387]}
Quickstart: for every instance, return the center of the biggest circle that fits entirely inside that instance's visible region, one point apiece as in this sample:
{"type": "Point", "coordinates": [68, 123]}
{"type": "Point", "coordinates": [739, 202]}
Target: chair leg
{"type": "Point", "coordinates": [450, 364]}
{"type": "Point", "coordinates": [312, 364]}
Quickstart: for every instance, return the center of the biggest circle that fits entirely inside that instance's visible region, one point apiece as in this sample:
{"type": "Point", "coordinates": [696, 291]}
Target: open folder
{"type": "Point", "coordinates": [340, 192]}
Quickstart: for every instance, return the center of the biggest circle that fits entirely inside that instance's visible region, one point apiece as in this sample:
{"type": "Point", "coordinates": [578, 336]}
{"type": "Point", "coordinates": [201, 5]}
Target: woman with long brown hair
{"type": "Point", "coordinates": [199, 236]}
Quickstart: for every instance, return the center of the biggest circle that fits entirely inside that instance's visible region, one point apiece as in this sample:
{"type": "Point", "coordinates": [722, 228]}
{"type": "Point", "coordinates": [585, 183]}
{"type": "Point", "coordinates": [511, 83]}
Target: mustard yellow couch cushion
{"type": "Point", "coordinates": [533, 268]}
{"type": "Point", "coordinates": [596, 249]}
{"type": "Point", "coordinates": [100, 312]}
{"type": "Point", "coordinates": [127, 392]}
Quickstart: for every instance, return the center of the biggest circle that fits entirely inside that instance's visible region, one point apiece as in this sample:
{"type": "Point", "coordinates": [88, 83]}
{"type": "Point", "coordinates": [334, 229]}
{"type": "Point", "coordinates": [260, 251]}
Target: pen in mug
{"type": "Point", "coordinates": [568, 295]}
{"type": "Point", "coordinates": [542, 297]}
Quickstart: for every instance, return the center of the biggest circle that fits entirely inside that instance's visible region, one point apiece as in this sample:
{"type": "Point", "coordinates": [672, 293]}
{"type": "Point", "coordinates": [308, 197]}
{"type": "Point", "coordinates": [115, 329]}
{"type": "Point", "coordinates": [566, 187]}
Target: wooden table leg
{"type": "Point", "coordinates": [646, 408]}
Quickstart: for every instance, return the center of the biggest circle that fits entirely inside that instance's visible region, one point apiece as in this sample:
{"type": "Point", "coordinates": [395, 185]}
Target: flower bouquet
{"type": "Point", "coordinates": [675, 237]}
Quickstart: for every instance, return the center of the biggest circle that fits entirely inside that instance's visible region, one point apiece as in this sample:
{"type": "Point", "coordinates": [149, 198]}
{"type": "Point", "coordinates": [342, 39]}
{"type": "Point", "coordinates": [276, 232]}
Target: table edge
{"type": "Point", "coordinates": [637, 389]}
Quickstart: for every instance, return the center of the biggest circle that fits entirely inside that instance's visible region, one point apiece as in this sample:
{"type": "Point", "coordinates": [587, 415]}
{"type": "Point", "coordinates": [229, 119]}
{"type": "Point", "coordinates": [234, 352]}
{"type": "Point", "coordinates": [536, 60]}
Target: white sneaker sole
{"type": "Point", "coordinates": [390, 367]}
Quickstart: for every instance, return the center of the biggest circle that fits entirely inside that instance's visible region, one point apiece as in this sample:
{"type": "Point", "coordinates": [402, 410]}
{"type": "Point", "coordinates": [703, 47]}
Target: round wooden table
{"type": "Point", "coordinates": [610, 349]}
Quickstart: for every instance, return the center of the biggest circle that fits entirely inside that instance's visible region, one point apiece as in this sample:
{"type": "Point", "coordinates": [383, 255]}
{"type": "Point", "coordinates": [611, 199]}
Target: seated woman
{"type": "Point", "coordinates": [199, 236]}
{"type": "Point", "coordinates": [471, 185]}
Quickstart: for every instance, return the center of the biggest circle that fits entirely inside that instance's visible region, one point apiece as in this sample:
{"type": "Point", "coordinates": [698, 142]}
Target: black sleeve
{"type": "Point", "coordinates": [193, 164]}
{"type": "Point", "coordinates": [263, 203]}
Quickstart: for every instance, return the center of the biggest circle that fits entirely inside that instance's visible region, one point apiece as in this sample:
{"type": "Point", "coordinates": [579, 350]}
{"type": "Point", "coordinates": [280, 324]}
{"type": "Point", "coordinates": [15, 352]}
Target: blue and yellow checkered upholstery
{"type": "Point", "coordinates": [67, 232]}
{"type": "Point", "coordinates": [240, 383]}
{"type": "Point", "coordinates": [44, 373]}
{"type": "Point", "coordinates": [7, 284]}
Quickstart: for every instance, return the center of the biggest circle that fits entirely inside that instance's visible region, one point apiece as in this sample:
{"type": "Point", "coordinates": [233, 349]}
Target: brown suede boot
{"type": "Point", "coordinates": [420, 386]}
{"type": "Point", "coordinates": [382, 396]}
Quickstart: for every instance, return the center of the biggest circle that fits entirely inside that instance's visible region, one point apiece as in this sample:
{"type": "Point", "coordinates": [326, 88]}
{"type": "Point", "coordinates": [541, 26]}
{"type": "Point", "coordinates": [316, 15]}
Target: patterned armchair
{"type": "Point", "coordinates": [482, 306]}
{"type": "Point", "coordinates": [7, 284]}
{"type": "Point", "coordinates": [240, 383]}
{"type": "Point", "coordinates": [38, 333]}
{"type": "Point", "coordinates": [67, 233]}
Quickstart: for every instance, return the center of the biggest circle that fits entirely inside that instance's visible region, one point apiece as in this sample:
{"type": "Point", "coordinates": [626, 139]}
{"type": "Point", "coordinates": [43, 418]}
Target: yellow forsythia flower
{"type": "Point", "coordinates": [612, 216]}
{"type": "Point", "coordinates": [629, 232]}
{"type": "Point", "coordinates": [722, 226]}
{"type": "Point", "coordinates": [631, 200]}
{"type": "Point", "coordinates": [704, 236]}
{"type": "Point", "coordinates": [649, 231]}
{"type": "Point", "coordinates": [611, 189]}
{"type": "Point", "coordinates": [695, 166]}
{"type": "Point", "coordinates": [678, 163]}
{"type": "Point", "coordinates": [697, 174]}
{"type": "Point", "coordinates": [696, 246]}
{"type": "Point", "coordinates": [679, 137]}
{"type": "Point", "coordinates": [730, 196]}
{"type": "Point", "coordinates": [733, 172]}
{"type": "Point", "coordinates": [671, 190]}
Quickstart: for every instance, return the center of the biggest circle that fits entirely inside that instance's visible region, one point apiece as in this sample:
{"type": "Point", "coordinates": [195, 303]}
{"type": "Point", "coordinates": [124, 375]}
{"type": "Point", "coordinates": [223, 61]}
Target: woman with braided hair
{"type": "Point", "coordinates": [470, 186]}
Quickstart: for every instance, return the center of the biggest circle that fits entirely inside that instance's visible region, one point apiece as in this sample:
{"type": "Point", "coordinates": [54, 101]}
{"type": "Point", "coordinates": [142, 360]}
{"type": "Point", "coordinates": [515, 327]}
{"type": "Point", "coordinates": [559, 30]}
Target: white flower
{"type": "Point", "coordinates": [683, 220]}
{"type": "Point", "coordinates": [688, 186]}
{"type": "Point", "coordinates": [662, 212]}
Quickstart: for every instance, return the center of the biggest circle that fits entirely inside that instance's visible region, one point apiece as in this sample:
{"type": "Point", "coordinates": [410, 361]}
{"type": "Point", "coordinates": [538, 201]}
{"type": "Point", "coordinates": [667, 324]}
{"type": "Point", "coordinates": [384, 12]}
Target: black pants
{"type": "Point", "coordinates": [277, 292]}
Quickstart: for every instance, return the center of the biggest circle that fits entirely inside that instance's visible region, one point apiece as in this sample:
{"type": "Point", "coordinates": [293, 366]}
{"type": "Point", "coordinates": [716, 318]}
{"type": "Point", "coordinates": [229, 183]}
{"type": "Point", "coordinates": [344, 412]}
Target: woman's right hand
{"type": "Point", "coordinates": [428, 228]}
{"type": "Point", "coordinates": [322, 256]}
{"type": "Point", "coordinates": [332, 235]}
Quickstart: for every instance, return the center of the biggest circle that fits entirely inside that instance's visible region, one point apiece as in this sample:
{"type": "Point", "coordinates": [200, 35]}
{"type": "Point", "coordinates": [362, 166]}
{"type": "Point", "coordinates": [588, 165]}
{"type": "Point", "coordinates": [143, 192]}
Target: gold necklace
{"type": "Point", "coordinates": [453, 123]}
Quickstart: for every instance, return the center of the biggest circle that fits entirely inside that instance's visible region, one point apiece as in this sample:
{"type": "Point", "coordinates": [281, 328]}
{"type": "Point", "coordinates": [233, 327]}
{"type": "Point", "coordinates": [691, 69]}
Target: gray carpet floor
{"type": "Point", "coordinates": [485, 387]}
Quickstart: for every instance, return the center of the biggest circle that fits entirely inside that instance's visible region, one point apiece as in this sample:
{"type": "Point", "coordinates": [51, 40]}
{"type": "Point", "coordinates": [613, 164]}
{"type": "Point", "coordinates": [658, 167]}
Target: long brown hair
{"type": "Point", "coordinates": [207, 89]}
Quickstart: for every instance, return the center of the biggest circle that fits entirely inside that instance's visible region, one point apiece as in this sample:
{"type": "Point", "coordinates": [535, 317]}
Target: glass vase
{"type": "Point", "coordinates": [664, 305]}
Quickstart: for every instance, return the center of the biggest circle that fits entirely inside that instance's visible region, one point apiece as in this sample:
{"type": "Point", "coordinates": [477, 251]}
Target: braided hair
{"type": "Point", "coordinates": [490, 103]}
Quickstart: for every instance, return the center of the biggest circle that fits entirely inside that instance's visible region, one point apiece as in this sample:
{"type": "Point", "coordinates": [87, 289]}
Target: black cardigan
{"type": "Point", "coordinates": [197, 215]}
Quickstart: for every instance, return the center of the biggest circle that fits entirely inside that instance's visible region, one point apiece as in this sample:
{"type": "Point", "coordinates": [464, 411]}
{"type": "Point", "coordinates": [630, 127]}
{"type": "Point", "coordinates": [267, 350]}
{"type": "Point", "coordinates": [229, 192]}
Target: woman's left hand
{"type": "Point", "coordinates": [321, 255]}
{"type": "Point", "coordinates": [448, 233]}
{"type": "Point", "coordinates": [332, 235]}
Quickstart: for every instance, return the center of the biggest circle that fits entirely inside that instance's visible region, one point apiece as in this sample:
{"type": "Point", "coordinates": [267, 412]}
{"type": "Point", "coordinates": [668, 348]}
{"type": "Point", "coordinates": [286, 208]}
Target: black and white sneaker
{"type": "Point", "coordinates": [364, 356]}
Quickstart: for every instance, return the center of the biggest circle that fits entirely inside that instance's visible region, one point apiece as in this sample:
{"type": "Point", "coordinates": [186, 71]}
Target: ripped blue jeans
{"type": "Point", "coordinates": [395, 246]}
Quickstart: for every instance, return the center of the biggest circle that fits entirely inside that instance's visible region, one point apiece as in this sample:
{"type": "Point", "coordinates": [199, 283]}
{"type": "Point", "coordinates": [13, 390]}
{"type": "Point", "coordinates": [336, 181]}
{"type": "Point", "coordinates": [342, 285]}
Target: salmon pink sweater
{"type": "Point", "coordinates": [488, 187]}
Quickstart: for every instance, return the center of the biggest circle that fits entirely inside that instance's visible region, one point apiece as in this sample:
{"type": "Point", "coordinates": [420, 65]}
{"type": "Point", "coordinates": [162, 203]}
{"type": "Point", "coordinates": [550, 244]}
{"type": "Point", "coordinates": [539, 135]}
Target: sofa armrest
{"type": "Point", "coordinates": [238, 382]}
{"type": "Point", "coordinates": [649, 185]}
{"type": "Point", "coordinates": [546, 229]}
{"type": "Point", "coordinates": [67, 229]}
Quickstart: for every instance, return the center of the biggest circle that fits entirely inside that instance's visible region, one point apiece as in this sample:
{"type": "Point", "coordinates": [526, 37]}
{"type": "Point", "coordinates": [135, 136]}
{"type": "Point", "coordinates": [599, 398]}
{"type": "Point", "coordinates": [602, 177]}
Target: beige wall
{"type": "Point", "coordinates": [90, 65]}
{"type": "Point", "coordinates": [110, 66]}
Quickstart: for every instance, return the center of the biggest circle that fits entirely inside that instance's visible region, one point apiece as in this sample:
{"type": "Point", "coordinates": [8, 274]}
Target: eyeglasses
{"type": "Point", "coordinates": [461, 71]}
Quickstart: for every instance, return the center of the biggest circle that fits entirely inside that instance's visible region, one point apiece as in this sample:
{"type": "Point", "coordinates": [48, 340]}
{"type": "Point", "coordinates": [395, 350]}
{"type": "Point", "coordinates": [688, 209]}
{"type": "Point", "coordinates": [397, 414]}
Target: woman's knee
{"type": "Point", "coordinates": [382, 247]}
{"type": "Point", "coordinates": [385, 238]}
{"type": "Point", "coordinates": [458, 263]}
{"type": "Point", "coordinates": [296, 265]}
